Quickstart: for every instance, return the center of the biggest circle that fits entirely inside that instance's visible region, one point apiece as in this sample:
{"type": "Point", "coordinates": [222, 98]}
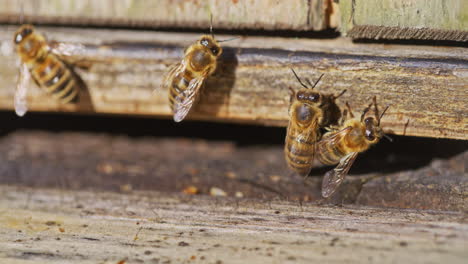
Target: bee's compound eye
{"type": "Point", "coordinates": [315, 97]}
{"type": "Point", "coordinates": [368, 120]}
{"type": "Point", "coordinates": [215, 51]}
{"type": "Point", "coordinates": [370, 135]}
{"type": "Point", "coordinates": [21, 35]}
{"type": "Point", "coordinates": [18, 38]}
{"type": "Point", "coordinates": [204, 42]}
{"type": "Point", "coordinates": [300, 96]}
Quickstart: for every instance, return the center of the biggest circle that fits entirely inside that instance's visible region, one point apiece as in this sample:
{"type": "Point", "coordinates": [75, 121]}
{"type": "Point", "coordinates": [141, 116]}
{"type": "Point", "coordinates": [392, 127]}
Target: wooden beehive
{"type": "Point", "coordinates": [97, 198]}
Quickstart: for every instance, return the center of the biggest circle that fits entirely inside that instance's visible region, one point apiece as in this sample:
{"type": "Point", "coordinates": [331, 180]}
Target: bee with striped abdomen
{"type": "Point", "coordinates": [185, 79]}
{"type": "Point", "coordinates": [344, 144]}
{"type": "Point", "coordinates": [37, 60]}
{"type": "Point", "coordinates": [309, 111]}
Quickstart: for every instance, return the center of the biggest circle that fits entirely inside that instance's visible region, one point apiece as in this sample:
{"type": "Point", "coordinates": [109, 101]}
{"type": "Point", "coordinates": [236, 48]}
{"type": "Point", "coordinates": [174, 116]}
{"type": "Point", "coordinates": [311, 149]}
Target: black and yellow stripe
{"type": "Point", "coordinates": [299, 154]}
{"type": "Point", "coordinates": [54, 76]}
{"type": "Point", "coordinates": [178, 85]}
{"type": "Point", "coordinates": [331, 152]}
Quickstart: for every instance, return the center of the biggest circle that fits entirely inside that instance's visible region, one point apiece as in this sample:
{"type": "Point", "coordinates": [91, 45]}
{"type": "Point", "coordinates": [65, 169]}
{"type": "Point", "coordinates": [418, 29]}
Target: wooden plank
{"type": "Point", "coordinates": [408, 173]}
{"type": "Point", "coordinates": [50, 226]}
{"type": "Point", "coordinates": [401, 19]}
{"type": "Point", "coordinates": [235, 14]}
{"type": "Point", "coordinates": [424, 85]}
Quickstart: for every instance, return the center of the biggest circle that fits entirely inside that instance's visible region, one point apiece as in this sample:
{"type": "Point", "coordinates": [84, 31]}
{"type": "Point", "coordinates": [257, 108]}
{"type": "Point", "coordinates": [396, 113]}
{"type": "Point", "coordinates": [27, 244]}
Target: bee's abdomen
{"type": "Point", "coordinates": [299, 154]}
{"type": "Point", "coordinates": [179, 85]}
{"type": "Point", "coordinates": [330, 153]}
{"type": "Point", "coordinates": [58, 80]}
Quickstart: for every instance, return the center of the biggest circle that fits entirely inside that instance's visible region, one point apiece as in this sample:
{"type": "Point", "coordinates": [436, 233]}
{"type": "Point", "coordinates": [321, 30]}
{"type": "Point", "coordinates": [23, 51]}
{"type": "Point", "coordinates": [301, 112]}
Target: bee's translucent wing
{"type": "Point", "coordinates": [66, 49]}
{"type": "Point", "coordinates": [70, 53]}
{"type": "Point", "coordinates": [185, 100]}
{"type": "Point", "coordinates": [333, 179]}
{"type": "Point", "coordinates": [174, 71]}
{"type": "Point", "coordinates": [21, 91]}
{"type": "Point", "coordinates": [331, 139]}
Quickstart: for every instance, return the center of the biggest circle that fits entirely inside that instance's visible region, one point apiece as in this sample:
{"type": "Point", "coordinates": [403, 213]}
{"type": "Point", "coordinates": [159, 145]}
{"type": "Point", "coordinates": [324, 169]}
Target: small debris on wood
{"type": "Point", "coordinates": [214, 191]}
{"type": "Point", "coordinates": [191, 190]}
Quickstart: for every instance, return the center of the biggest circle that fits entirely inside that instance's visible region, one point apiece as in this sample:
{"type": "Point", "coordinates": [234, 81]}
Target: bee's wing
{"type": "Point", "coordinates": [331, 139]}
{"type": "Point", "coordinates": [21, 91]}
{"type": "Point", "coordinates": [333, 179]}
{"type": "Point", "coordinates": [174, 70]}
{"type": "Point", "coordinates": [185, 100]}
{"type": "Point", "coordinates": [67, 52]}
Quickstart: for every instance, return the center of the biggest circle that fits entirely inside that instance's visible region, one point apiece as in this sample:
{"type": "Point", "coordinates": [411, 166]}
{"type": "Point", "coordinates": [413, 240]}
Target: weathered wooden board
{"type": "Point", "coordinates": [402, 19]}
{"type": "Point", "coordinates": [50, 226]}
{"type": "Point", "coordinates": [408, 173]}
{"type": "Point", "coordinates": [424, 85]}
{"type": "Point", "coordinates": [234, 14]}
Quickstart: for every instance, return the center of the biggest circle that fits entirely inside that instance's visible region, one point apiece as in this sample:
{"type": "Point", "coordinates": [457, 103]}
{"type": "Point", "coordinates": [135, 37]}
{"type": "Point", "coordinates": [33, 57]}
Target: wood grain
{"type": "Point", "coordinates": [39, 226]}
{"type": "Point", "coordinates": [425, 86]}
{"type": "Point", "coordinates": [401, 19]}
{"type": "Point", "coordinates": [235, 14]}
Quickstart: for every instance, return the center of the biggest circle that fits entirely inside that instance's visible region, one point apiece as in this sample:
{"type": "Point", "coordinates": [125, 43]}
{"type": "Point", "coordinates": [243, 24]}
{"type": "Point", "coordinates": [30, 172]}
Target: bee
{"type": "Point", "coordinates": [309, 111]}
{"type": "Point", "coordinates": [344, 144]}
{"type": "Point", "coordinates": [48, 70]}
{"type": "Point", "coordinates": [185, 79]}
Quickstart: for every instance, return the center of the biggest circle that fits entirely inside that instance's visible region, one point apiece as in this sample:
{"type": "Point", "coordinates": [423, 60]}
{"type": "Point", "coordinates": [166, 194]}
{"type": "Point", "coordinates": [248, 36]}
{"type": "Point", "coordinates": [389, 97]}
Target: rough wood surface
{"type": "Point", "coordinates": [234, 14]}
{"type": "Point", "coordinates": [402, 19]}
{"type": "Point", "coordinates": [50, 226]}
{"type": "Point", "coordinates": [427, 174]}
{"type": "Point", "coordinates": [425, 86]}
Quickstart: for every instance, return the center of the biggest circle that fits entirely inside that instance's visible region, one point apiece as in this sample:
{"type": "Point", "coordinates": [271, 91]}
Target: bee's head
{"type": "Point", "coordinates": [210, 45]}
{"type": "Point", "coordinates": [373, 132]}
{"type": "Point", "coordinates": [309, 97]}
{"type": "Point", "coordinates": [22, 33]}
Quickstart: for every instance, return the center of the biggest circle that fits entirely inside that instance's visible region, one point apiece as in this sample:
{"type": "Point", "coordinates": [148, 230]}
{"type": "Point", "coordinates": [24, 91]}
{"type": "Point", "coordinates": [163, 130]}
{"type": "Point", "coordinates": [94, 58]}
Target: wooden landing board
{"type": "Point", "coordinates": [235, 14]}
{"type": "Point", "coordinates": [425, 86]}
{"type": "Point", "coordinates": [402, 19]}
{"type": "Point", "coordinates": [51, 226]}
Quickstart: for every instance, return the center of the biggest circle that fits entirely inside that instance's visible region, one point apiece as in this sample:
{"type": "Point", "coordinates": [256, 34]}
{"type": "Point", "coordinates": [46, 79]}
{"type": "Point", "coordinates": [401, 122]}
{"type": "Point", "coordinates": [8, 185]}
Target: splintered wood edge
{"type": "Point", "coordinates": [424, 86]}
{"type": "Point", "coordinates": [260, 14]}
{"type": "Point", "coordinates": [402, 20]}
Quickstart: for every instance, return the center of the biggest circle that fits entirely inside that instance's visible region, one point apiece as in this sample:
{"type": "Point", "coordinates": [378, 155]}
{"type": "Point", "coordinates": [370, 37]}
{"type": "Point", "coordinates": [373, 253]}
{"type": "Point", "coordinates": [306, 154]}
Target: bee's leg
{"type": "Point", "coordinates": [349, 109]}
{"type": "Point", "coordinates": [340, 94]}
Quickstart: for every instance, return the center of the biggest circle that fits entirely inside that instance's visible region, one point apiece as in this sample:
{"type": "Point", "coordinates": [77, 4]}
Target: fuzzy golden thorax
{"type": "Point", "coordinates": [305, 108]}
{"type": "Point", "coordinates": [363, 134]}
{"type": "Point", "coordinates": [29, 45]}
{"type": "Point", "coordinates": [203, 54]}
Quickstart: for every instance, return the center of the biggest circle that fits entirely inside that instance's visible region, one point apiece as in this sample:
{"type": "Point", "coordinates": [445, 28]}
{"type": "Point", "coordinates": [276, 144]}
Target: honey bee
{"type": "Point", "coordinates": [185, 79]}
{"type": "Point", "coordinates": [48, 70]}
{"type": "Point", "coordinates": [309, 111]}
{"type": "Point", "coordinates": [344, 144]}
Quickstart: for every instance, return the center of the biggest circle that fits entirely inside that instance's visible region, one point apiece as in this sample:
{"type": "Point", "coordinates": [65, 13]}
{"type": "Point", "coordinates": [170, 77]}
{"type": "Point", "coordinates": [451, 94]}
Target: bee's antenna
{"type": "Point", "coordinates": [211, 25]}
{"type": "Point", "coordinates": [21, 19]}
{"type": "Point", "coordinates": [365, 111]}
{"type": "Point", "coordinates": [291, 90]}
{"type": "Point", "coordinates": [299, 79]}
{"type": "Point", "coordinates": [224, 40]}
{"type": "Point", "coordinates": [388, 137]}
{"type": "Point", "coordinates": [376, 109]}
{"type": "Point", "coordinates": [380, 117]}
{"type": "Point", "coordinates": [318, 80]}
